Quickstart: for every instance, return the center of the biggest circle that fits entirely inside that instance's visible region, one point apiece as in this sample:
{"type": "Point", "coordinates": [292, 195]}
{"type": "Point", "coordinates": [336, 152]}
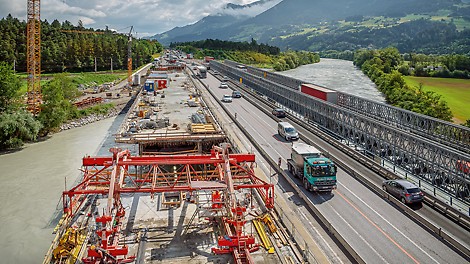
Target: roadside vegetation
{"type": "Point", "coordinates": [18, 126]}
{"type": "Point", "coordinates": [381, 66]}
{"type": "Point", "coordinates": [252, 53]}
{"type": "Point", "coordinates": [98, 78]}
{"type": "Point", "coordinates": [84, 80]}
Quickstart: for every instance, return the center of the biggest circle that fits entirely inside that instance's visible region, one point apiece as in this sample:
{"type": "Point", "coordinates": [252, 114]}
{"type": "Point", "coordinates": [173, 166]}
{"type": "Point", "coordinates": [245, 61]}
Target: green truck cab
{"type": "Point", "coordinates": [316, 172]}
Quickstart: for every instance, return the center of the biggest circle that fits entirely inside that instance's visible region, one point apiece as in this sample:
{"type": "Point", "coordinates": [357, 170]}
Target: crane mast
{"type": "Point", "coordinates": [129, 58]}
{"type": "Point", "coordinates": [33, 55]}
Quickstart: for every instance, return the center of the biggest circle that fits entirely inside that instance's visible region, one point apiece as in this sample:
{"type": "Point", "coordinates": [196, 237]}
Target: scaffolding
{"type": "Point", "coordinates": [217, 180]}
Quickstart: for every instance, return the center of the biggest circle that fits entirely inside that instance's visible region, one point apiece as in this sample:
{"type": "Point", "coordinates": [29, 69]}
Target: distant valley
{"type": "Point", "coordinates": [438, 26]}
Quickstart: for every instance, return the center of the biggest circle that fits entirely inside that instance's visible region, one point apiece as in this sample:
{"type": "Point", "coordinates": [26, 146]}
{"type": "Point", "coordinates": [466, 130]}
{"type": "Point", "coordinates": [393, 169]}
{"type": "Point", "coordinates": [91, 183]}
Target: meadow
{"type": "Point", "coordinates": [456, 92]}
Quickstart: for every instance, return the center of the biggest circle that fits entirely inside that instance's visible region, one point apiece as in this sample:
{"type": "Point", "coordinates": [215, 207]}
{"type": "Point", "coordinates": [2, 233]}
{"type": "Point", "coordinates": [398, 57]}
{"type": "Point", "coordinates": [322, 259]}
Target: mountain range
{"type": "Point", "coordinates": [301, 24]}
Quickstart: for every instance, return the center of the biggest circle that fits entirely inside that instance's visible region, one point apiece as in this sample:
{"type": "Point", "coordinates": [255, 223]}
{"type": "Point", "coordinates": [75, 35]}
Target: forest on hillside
{"type": "Point", "coordinates": [216, 44]}
{"type": "Point", "coordinates": [419, 36]}
{"type": "Point", "coordinates": [62, 50]}
{"type": "Point", "coordinates": [261, 55]}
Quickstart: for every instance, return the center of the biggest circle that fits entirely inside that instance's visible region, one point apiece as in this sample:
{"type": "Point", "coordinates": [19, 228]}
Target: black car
{"type": "Point", "coordinates": [236, 94]}
{"type": "Point", "coordinates": [279, 112]}
{"type": "Point", "coordinates": [404, 190]}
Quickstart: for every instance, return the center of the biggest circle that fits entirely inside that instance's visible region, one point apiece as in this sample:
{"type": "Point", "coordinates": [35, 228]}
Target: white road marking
{"type": "Point", "coordinates": [361, 237]}
{"type": "Point", "coordinates": [396, 229]}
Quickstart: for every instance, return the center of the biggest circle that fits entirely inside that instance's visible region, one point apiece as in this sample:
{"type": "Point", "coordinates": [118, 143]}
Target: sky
{"type": "Point", "coordinates": [148, 17]}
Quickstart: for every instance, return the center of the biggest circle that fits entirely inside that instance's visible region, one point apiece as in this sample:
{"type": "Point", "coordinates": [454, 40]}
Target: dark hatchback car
{"type": "Point", "coordinates": [404, 190]}
{"type": "Point", "coordinates": [279, 112]}
{"type": "Point", "coordinates": [236, 94]}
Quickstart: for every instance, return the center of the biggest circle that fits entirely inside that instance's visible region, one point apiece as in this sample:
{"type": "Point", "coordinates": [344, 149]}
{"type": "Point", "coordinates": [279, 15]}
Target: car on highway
{"type": "Point", "coordinates": [287, 131]}
{"type": "Point", "coordinates": [225, 79]}
{"type": "Point", "coordinates": [227, 98]}
{"type": "Point", "coordinates": [279, 112]}
{"type": "Point", "coordinates": [403, 190]}
{"type": "Point", "coordinates": [215, 72]}
{"type": "Point", "coordinates": [223, 85]}
{"type": "Point", "coordinates": [236, 94]}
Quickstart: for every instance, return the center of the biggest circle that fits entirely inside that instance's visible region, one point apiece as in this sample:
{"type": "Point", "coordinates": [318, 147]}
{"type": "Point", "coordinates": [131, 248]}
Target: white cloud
{"type": "Point", "coordinates": [250, 11]}
{"type": "Point", "coordinates": [149, 16]}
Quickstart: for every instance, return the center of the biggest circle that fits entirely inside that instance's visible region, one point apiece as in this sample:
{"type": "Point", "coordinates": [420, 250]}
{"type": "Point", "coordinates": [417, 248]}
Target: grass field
{"type": "Point", "coordinates": [456, 92]}
{"type": "Point", "coordinates": [88, 78]}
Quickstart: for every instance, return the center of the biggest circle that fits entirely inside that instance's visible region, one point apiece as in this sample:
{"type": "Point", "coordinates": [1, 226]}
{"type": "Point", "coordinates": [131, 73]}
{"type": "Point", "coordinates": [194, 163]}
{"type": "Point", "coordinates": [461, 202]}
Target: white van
{"type": "Point", "coordinates": [287, 131]}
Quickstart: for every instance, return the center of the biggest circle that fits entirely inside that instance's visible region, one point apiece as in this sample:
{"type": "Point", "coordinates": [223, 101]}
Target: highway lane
{"type": "Point", "coordinates": [376, 230]}
{"type": "Point", "coordinates": [311, 235]}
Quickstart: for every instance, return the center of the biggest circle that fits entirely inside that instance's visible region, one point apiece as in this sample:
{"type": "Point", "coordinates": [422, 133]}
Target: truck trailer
{"type": "Point", "coordinates": [202, 72]}
{"type": "Point", "coordinates": [208, 58]}
{"type": "Point", "coordinates": [316, 172]}
{"type": "Point", "coordinates": [319, 92]}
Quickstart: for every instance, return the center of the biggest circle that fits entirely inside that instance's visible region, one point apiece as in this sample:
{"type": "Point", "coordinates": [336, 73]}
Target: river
{"type": "Point", "coordinates": [32, 181]}
{"type": "Point", "coordinates": [340, 75]}
{"type": "Point", "coordinates": [33, 178]}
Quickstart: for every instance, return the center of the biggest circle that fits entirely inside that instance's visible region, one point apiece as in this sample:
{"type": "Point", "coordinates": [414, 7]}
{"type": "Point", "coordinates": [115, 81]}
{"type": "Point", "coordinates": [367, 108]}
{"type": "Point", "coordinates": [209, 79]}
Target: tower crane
{"type": "Point", "coordinates": [33, 55]}
{"type": "Point", "coordinates": [129, 58]}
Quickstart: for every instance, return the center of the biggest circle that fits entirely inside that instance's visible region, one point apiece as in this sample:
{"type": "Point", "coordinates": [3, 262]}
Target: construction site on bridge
{"type": "Point", "coordinates": [185, 197]}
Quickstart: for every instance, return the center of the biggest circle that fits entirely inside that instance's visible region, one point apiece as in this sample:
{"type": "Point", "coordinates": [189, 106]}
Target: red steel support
{"type": "Point", "coordinates": [123, 173]}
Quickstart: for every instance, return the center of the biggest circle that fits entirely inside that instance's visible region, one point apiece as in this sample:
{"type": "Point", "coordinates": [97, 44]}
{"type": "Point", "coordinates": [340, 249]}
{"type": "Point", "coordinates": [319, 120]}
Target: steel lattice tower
{"type": "Point", "coordinates": [34, 56]}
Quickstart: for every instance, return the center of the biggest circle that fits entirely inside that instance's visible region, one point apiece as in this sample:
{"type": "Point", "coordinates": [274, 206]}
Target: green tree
{"type": "Point", "coordinates": [9, 87]}
{"type": "Point", "coordinates": [57, 107]}
{"type": "Point", "coordinates": [467, 123]}
{"type": "Point", "coordinates": [16, 127]}
{"type": "Point", "coordinates": [361, 56]}
{"type": "Point", "coordinates": [381, 67]}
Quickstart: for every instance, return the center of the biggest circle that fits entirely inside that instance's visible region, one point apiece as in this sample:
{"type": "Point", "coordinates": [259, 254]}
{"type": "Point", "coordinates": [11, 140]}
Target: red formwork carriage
{"type": "Point", "coordinates": [123, 173]}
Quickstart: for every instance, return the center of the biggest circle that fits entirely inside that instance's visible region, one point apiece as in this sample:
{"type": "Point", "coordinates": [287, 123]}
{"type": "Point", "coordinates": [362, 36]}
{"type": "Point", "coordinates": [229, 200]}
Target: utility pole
{"type": "Point", "coordinates": [95, 64]}
{"type": "Point", "coordinates": [111, 65]}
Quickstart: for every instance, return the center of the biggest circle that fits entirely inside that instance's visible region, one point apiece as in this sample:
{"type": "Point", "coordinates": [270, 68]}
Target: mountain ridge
{"type": "Point", "coordinates": [296, 23]}
{"type": "Point", "coordinates": [229, 15]}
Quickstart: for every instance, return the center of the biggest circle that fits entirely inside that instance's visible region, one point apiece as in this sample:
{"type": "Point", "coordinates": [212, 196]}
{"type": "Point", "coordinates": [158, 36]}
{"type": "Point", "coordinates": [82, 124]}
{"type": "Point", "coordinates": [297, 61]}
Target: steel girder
{"type": "Point", "coordinates": [432, 162]}
{"type": "Point", "coordinates": [155, 174]}
{"type": "Point", "coordinates": [438, 130]}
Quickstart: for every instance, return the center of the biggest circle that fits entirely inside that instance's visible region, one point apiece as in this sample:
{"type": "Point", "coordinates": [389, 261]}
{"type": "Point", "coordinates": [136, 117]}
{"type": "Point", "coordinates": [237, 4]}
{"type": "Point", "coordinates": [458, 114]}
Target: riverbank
{"type": "Point", "coordinates": [121, 103]}
{"type": "Point", "coordinates": [89, 119]}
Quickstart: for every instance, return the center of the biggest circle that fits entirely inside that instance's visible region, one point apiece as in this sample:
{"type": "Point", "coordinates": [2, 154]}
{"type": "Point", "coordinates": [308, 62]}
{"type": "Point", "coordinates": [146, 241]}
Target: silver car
{"type": "Point", "coordinates": [223, 85]}
{"type": "Point", "coordinates": [404, 190]}
{"type": "Point", "coordinates": [227, 98]}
